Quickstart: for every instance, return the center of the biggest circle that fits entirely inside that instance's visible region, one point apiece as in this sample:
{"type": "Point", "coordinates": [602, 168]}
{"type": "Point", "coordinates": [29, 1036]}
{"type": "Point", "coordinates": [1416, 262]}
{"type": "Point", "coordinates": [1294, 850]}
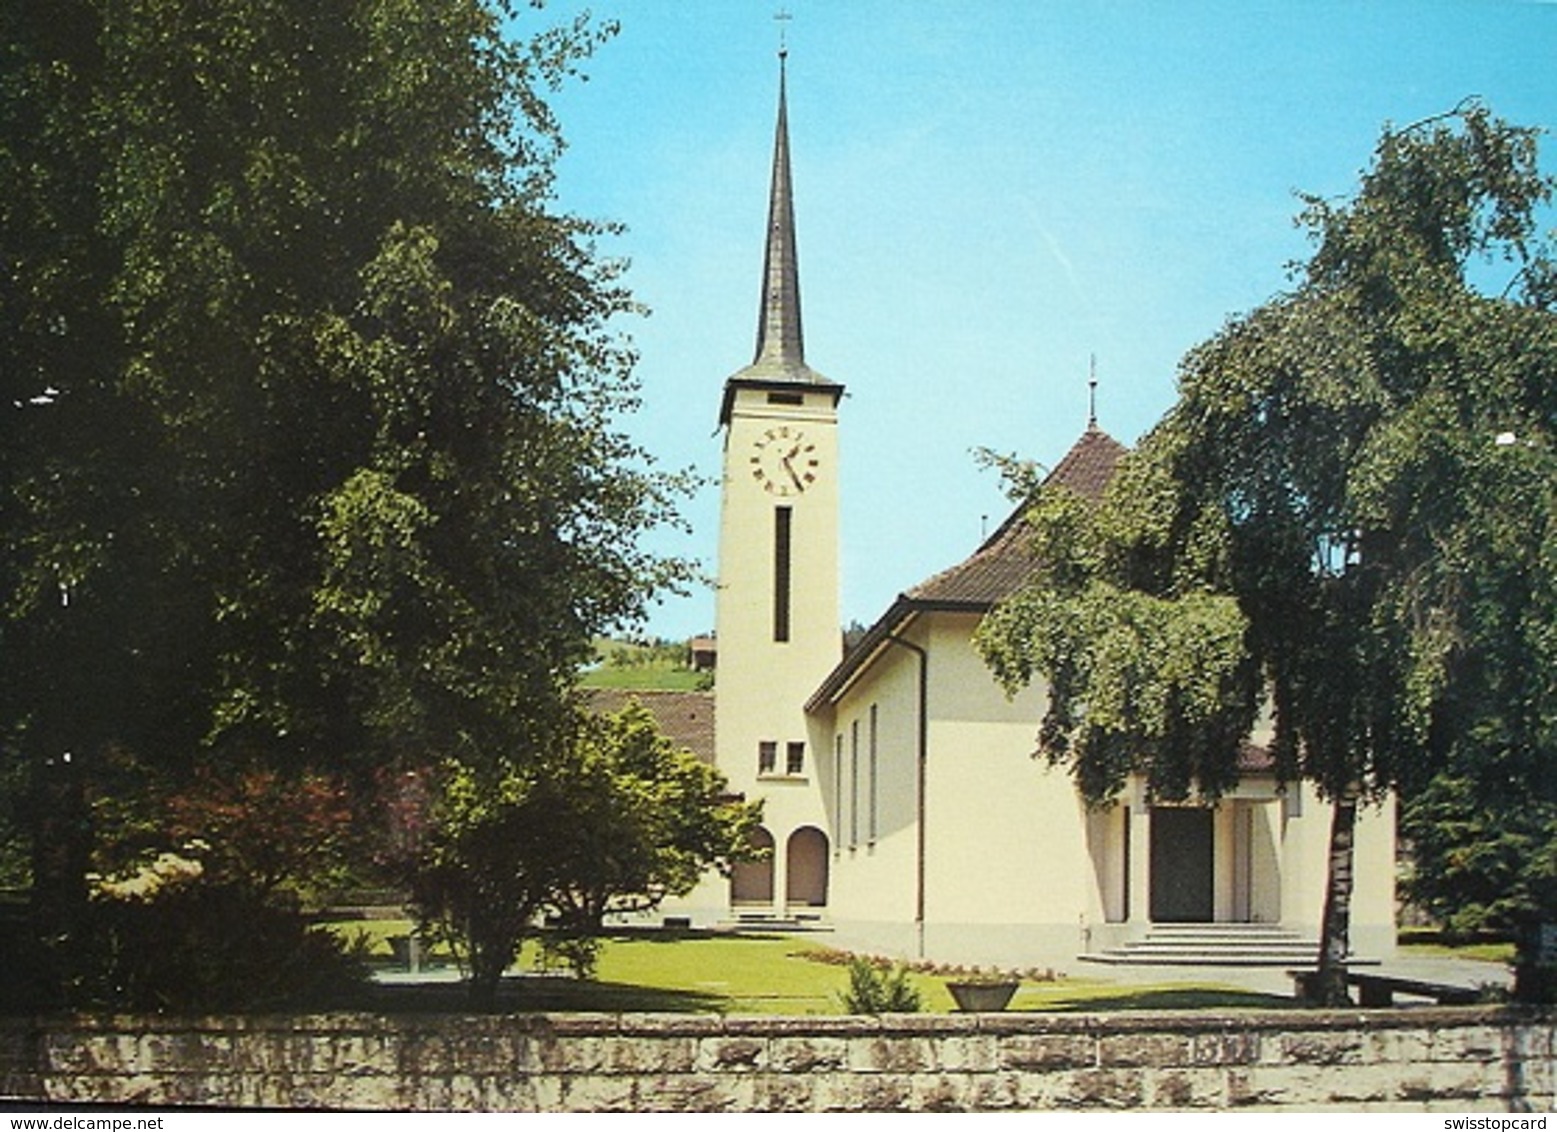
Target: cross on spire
{"type": "Point", "coordinates": [782, 18]}
{"type": "Point", "coordinates": [1092, 393]}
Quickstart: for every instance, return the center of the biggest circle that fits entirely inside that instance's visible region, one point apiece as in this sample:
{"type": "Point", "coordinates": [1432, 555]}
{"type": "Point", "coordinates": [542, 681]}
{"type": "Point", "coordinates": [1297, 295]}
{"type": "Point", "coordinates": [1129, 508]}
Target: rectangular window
{"type": "Point", "coordinates": [838, 793]}
{"type": "Point", "coordinates": [767, 757]}
{"type": "Point", "coordinates": [795, 759]}
{"type": "Point", "coordinates": [870, 824]}
{"type": "Point", "coordinates": [854, 784]}
{"type": "Point", "coordinates": [783, 519]}
{"type": "Point", "coordinates": [780, 398]}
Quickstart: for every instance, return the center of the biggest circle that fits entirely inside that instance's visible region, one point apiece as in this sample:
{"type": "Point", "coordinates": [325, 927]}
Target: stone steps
{"type": "Point", "coordinates": [1215, 945]}
{"type": "Point", "coordinates": [774, 922]}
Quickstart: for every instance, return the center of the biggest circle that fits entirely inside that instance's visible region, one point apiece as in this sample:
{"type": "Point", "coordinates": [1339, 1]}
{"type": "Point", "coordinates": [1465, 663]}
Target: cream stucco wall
{"type": "Point", "coordinates": [762, 683]}
{"type": "Point", "coordinates": [1307, 833]}
{"type": "Point", "coordinates": [874, 877]}
{"type": "Point", "coordinates": [1005, 872]}
{"type": "Point", "coordinates": [1015, 868]}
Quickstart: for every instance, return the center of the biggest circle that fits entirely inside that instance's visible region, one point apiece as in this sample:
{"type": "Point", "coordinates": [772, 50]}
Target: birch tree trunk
{"type": "Point", "coordinates": [1328, 987]}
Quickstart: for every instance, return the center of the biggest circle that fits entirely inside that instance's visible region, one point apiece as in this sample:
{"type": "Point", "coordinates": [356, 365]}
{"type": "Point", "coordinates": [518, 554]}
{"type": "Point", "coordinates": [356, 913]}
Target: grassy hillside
{"type": "Point", "coordinates": [660, 666]}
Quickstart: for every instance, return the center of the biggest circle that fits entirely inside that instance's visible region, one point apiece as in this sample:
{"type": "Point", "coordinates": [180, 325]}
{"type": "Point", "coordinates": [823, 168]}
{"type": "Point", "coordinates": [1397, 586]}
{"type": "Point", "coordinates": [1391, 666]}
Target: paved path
{"type": "Point", "coordinates": [1275, 980]}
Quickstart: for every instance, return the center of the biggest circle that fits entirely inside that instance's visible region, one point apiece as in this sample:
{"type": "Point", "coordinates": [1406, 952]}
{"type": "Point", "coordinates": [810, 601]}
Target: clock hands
{"type": "Point", "coordinates": [790, 467]}
{"type": "Point", "coordinates": [784, 461]}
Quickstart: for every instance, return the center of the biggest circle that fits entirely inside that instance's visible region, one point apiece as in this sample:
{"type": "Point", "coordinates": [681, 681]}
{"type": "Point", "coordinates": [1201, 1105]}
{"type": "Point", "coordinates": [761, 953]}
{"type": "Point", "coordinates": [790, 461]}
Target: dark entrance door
{"type": "Point", "coordinates": [1181, 866]}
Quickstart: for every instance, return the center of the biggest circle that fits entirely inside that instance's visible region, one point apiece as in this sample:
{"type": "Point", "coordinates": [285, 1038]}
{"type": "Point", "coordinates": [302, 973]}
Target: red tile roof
{"type": "Point", "coordinates": [993, 572]}
{"type": "Point", "coordinates": [687, 718]}
{"type": "Point", "coordinates": [996, 569]}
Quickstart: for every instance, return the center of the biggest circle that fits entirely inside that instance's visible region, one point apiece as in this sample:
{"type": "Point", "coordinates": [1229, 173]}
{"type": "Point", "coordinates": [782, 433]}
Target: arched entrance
{"type": "Point", "coordinates": [751, 882]}
{"type": "Point", "coordinates": [806, 868]}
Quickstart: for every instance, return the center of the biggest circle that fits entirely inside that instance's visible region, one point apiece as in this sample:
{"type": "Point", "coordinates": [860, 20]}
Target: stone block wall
{"type": "Point", "coordinates": [1424, 1059]}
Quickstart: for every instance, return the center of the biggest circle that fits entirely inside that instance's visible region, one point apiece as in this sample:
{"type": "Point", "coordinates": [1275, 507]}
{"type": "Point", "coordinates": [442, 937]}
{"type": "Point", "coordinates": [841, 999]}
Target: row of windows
{"type": "Point", "coordinates": [794, 758]}
{"type": "Point", "coordinates": [863, 782]}
{"type": "Point", "coordinates": [856, 778]}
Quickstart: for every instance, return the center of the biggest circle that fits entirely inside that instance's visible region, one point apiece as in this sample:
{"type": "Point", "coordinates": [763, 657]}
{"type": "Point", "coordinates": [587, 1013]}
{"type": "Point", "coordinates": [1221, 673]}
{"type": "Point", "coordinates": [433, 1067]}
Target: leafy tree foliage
{"type": "Point", "coordinates": [309, 391]}
{"type": "Point", "coordinates": [613, 822]}
{"type": "Point", "coordinates": [1326, 519]}
{"type": "Point", "coordinates": [196, 898]}
{"type": "Point", "coordinates": [651, 818]}
{"type": "Point", "coordinates": [197, 946]}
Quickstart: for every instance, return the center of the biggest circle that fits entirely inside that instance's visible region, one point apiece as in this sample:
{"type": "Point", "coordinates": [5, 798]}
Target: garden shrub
{"type": "Point", "coordinates": [578, 953]}
{"type": "Point", "coordinates": [877, 989]}
{"type": "Point", "coordinates": [197, 947]}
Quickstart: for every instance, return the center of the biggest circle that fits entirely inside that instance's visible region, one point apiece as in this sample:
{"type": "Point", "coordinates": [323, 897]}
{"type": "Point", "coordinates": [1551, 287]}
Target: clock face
{"type": "Point", "coordinates": [783, 461]}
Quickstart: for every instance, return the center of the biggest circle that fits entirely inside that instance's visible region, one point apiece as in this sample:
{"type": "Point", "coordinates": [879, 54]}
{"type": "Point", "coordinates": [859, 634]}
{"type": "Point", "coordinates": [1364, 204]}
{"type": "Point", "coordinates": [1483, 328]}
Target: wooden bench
{"type": "Point", "coordinates": [1380, 990]}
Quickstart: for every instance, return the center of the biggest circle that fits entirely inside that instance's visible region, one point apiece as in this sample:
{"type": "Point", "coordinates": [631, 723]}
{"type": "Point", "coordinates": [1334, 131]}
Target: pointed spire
{"type": "Point", "coordinates": [780, 343]}
{"type": "Point", "coordinates": [780, 357]}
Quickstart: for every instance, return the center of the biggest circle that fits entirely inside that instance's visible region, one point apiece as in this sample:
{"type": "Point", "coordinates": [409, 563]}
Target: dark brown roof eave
{"type": "Point", "coordinates": [985, 577]}
{"type": "Point", "coordinates": [877, 637]}
{"type": "Point", "coordinates": [814, 383]}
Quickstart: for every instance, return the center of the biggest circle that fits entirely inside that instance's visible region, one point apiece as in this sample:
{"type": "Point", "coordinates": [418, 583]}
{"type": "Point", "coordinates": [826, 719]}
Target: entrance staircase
{"type": "Point", "coordinates": [766, 921]}
{"type": "Point", "coordinates": [1216, 945]}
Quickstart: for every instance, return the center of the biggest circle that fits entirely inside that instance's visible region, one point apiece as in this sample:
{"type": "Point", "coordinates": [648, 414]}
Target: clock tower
{"type": "Point", "coordinates": [777, 607]}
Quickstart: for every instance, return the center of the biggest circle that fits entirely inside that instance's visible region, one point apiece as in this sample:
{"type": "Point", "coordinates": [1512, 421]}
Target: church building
{"type": "Point", "coordinates": [905, 808]}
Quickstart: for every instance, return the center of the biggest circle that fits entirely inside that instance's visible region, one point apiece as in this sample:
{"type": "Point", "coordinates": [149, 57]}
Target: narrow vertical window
{"type": "Point", "coordinates": [767, 757]}
{"type": "Point", "coordinates": [1124, 910]}
{"type": "Point", "coordinates": [838, 793]}
{"type": "Point", "coordinates": [795, 758]}
{"type": "Point", "coordinates": [783, 520]}
{"type": "Point", "coordinates": [854, 784]}
{"type": "Point", "coordinates": [870, 823]}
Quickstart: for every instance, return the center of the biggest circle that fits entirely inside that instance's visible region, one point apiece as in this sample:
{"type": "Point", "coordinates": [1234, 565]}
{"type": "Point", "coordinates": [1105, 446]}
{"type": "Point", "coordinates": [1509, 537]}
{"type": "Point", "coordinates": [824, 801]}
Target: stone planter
{"type": "Point", "coordinates": [982, 998]}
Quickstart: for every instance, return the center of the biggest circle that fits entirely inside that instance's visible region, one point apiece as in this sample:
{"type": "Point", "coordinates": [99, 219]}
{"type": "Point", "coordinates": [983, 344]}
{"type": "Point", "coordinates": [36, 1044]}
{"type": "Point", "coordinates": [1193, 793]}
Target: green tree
{"type": "Point", "coordinates": [1297, 526]}
{"type": "Point", "coordinates": [614, 821]}
{"type": "Point", "coordinates": [484, 872]}
{"type": "Point", "coordinates": [310, 390]}
{"type": "Point", "coordinates": [650, 819]}
{"type": "Point", "coordinates": [1482, 830]}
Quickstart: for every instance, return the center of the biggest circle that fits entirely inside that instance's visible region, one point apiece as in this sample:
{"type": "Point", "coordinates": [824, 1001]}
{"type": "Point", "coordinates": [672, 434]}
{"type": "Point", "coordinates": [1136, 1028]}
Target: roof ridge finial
{"type": "Point", "coordinates": [1092, 394]}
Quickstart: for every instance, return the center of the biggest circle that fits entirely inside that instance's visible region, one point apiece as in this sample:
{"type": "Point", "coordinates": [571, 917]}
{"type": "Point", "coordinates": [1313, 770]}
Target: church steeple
{"type": "Point", "coordinates": [780, 340]}
{"type": "Point", "coordinates": [776, 604]}
{"type": "Point", "coordinates": [780, 356]}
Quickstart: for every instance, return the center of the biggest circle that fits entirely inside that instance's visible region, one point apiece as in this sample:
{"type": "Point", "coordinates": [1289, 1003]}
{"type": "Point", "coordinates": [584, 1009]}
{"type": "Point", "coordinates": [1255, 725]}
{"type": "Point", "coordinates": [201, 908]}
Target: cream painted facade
{"type": "Point", "coordinates": [997, 860]}
{"type": "Point", "coordinates": [777, 608]}
{"type": "Point", "coordinates": [905, 806]}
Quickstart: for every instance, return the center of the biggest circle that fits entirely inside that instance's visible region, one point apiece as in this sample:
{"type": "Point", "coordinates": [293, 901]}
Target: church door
{"type": "Point", "coordinates": [751, 882]}
{"type": "Point", "coordinates": [1182, 863]}
{"type": "Point", "coordinates": [806, 868]}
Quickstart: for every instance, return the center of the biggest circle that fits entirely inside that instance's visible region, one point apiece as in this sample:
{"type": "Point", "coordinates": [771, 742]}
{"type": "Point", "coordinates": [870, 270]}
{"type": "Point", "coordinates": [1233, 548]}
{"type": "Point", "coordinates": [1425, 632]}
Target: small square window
{"type": "Point", "coordinates": [767, 757]}
{"type": "Point", "coordinates": [795, 759]}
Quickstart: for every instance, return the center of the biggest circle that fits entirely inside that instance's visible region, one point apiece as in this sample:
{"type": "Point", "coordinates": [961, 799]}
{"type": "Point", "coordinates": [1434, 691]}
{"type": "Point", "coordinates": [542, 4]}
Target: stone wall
{"type": "Point", "coordinates": [1396, 1060]}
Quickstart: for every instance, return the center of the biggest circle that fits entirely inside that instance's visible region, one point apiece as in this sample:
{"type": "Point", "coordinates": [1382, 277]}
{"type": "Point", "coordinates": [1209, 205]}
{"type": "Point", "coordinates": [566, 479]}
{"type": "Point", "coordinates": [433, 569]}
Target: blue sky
{"type": "Point", "coordinates": [988, 192]}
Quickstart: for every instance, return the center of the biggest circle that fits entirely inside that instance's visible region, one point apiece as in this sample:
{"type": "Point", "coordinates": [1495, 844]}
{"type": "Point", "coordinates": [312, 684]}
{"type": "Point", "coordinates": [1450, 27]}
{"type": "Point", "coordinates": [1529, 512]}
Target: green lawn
{"type": "Point", "coordinates": [1428, 941]}
{"type": "Point", "coordinates": [772, 974]}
